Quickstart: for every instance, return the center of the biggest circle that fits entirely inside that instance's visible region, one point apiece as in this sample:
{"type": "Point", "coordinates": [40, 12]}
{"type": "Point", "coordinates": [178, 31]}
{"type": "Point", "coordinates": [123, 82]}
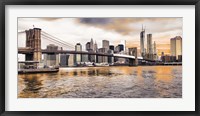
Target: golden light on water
{"type": "Point", "coordinates": [103, 82]}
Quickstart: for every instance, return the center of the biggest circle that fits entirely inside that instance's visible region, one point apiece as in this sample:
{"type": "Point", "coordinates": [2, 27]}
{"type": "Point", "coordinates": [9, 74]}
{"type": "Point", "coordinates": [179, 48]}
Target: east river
{"type": "Point", "coordinates": [104, 82]}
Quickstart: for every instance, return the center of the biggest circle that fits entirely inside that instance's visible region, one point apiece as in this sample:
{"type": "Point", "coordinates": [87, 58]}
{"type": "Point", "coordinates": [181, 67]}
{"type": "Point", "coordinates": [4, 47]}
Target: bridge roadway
{"type": "Point", "coordinates": [44, 51]}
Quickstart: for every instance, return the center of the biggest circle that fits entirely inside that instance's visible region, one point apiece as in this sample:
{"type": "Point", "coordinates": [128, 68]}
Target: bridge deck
{"type": "Point", "coordinates": [44, 51]}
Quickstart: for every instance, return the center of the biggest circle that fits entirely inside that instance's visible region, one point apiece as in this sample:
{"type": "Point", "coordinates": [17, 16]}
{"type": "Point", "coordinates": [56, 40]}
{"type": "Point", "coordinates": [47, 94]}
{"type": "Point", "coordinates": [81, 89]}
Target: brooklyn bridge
{"type": "Point", "coordinates": [33, 50]}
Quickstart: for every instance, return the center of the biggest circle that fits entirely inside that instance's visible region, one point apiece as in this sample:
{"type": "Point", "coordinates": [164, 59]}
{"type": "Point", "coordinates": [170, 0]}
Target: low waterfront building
{"type": "Point", "coordinates": [78, 57]}
{"type": "Point", "coordinates": [179, 58]}
{"type": "Point", "coordinates": [168, 58]}
{"type": "Point", "coordinates": [85, 58]}
{"type": "Point", "coordinates": [64, 60]}
{"type": "Point", "coordinates": [51, 59]}
{"type": "Point", "coordinates": [102, 59]}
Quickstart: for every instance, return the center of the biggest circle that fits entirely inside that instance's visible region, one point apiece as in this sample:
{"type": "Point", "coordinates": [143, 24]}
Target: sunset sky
{"type": "Point", "coordinates": [75, 30]}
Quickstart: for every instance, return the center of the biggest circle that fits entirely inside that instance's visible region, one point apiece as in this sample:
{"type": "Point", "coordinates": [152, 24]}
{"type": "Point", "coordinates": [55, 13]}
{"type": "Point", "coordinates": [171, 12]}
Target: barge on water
{"type": "Point", "coordinates": [31, 67]}
{"type": "Point", "coordinates": [41, 70]}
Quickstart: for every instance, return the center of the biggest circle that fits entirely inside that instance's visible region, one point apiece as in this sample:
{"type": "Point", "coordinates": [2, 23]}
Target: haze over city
{"type": "Point", "coordinates": [74, 30]}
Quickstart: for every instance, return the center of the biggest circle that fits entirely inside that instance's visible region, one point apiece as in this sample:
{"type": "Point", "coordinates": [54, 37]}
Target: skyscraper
{"type": "Point", "coordinates": [176, 46]}
{"type": "Point", "coordinates": [154, 48]}
{"type": "Point", "coordinates": [142, 40]}
{"type": "Point", "coordinates": [95, 47]}
{"type": "Point", "coordinates": [154, 51]}
{"type": "Point", "coordinates": [87, 46]}
{"type": "Point", "coordinates": [106, 45]}
{"type": "Point", "coordinates": [90, 48]}
{"type": "Point", "coordinates": [91, 44]}
{"type": "Point", "coordinates": [149, 44]}
{"type": "Point", "coordinates": [78, 47]}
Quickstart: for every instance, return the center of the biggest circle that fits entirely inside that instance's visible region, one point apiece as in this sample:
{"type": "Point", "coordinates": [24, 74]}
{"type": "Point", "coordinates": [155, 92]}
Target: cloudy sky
{"type": "Point", "coordinates": [75, 30]}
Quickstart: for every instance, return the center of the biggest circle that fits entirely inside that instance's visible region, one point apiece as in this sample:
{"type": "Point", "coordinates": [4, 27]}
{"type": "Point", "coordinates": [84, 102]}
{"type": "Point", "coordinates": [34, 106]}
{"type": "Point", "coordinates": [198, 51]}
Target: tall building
{"type": "Point", "coordinates": [155, 57]}
{"type": "Point", "coordinates": [149, 44]}
{"type": "Point", "coordinates": [142, 40]}
{"type": "Point", "coordinates": [154, 48]}
{"type": "Point", "coordinates": [91, 44]}
{"type": "Point", "coordinates": [87, 46]}
{"type": "Point", "coordinates": [176, 46]}
{"type": "Point", "coordinates": [106, 45]}
{"type": "Point", "coordinates": [95, 47]}
{"type": "Point", "coordinates": [51, 59]}
{"type": "Point", "coordinates": [77, 58]}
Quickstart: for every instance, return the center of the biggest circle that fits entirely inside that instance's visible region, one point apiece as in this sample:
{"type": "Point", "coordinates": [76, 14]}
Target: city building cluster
{"type": "Point", "coordinates": [105, 49]}
{"type": "Point", "coordinates": [175, 50]}
{"type": "Point", "coordinates": [94, 55]}
{"type": "Point", "coordinates": [148, 52]}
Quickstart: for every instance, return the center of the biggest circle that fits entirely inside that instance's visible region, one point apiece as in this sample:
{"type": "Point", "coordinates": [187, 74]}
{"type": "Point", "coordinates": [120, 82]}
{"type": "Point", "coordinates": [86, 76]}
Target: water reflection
{"type": "Point", "coordinates": [104, 82]}
{"type": "Point", "coordinates": [32, 85]}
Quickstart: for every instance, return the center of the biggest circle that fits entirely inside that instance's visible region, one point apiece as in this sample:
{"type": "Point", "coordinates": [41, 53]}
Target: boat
{"type": "Point", "coordinates": [38, 70]}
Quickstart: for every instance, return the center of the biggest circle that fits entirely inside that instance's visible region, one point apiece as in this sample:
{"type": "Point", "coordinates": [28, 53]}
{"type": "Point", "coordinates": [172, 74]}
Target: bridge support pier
{"type": "Point", "coordinates": [132, 62]}
{"type": "Point", "coordinates": [33, 40]}
{"type": "Point", "coordinates": [133, 52]}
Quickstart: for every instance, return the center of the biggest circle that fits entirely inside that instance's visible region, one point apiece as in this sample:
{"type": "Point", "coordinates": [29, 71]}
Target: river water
{"type": "Point", "coordinates": [104, 82]}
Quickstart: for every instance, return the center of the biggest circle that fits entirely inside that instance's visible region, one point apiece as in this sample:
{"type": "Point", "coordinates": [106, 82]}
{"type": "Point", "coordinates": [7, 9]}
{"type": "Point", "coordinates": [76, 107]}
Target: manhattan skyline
{"type": "Point", "coordinates": [80, 30]}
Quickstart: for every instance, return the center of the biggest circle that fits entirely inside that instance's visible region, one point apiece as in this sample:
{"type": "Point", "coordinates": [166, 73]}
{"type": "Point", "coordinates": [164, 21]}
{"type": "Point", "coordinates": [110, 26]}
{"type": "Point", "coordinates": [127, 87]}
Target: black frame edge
{"type": "Point", "coordinates": [197, 56]}
{"type": "Point", "coordinates": [98, 2]}
{"type": "Point", "coordinates": [101, 2]}
{"type": "Point", "coordinates": [2, 57]}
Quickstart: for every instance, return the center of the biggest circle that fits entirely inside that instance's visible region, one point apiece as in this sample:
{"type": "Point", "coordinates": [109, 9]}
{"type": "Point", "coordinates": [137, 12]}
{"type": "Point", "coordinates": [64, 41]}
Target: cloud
{"type": "Point", "coordinates": [127, 26]}
{"type": "Point", "coordinates": [95, 21]}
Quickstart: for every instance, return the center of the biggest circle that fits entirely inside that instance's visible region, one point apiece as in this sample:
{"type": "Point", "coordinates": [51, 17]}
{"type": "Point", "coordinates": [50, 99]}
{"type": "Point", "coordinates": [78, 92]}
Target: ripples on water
{"type": "Point", "coordinates": [104, 82]}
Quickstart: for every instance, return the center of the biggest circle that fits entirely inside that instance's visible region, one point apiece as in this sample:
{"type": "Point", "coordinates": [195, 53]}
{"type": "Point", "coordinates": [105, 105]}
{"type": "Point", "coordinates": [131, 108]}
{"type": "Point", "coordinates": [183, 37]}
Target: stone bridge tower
{"type": "Point", "coordinates": [33, 41]}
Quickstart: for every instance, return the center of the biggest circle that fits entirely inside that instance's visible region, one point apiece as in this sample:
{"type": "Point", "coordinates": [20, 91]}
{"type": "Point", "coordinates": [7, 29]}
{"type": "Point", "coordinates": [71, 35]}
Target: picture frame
{"type": "Point", "coordinates": [98, 2]}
